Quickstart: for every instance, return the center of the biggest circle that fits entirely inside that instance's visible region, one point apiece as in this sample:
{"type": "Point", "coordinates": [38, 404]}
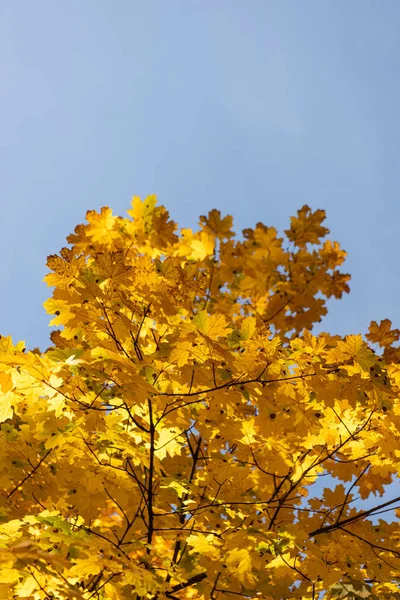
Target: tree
{"type": "Point", "coordinates": [168, 443]}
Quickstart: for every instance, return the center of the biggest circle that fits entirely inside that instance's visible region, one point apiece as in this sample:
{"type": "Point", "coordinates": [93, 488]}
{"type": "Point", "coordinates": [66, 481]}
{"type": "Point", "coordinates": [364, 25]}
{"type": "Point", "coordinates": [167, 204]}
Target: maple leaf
{"type": "Point", "coordinates": [221, 228]}
{"type": "Point", "coordinates": [86, 566]}
{"type": "Point", "coordinates": [168, 442]}
{"type": "Point", "coordinates": [306, 228]}
{"type": "Point", "coordinates": [142, 211]}
{"type": "Point", "coordinates": [206, 545]}
{"type": "Point", "coordinates": [195, 246]}
{"type": "Point", "coordinates": [212, 326]}
{"type": "Point", "coordinates": [101, 226]}
{"type": "Point", "coordinates": [383, 334]}
{"type": "Point", "coordinates": [248, 328]}
{"type": "Point", "coordinates": [355, 349]}
{"type": "Point", "coordinates": [6, 405]}
{"type": "Point", "coordinates": [239, 562]}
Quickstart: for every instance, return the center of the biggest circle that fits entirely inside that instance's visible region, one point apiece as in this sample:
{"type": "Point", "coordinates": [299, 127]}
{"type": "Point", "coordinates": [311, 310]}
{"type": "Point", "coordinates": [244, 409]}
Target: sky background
{"type": "Point", "coordinates": [254, 108]}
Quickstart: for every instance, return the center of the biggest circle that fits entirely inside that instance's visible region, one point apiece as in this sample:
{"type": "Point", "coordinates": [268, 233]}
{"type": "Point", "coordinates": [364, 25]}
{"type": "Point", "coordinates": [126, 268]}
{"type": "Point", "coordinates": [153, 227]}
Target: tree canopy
{"type": "Point", "coordinates": [174, 439]}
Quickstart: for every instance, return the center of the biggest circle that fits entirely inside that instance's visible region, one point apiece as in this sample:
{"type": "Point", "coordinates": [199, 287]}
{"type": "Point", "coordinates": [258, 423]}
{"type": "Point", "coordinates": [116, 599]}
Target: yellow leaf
{"type": "Point", "coordinates": [221, 228]}
{"type": "Point", "coordinates": [26, 588]}
{"type": "Point", "coordinates": [352, 348]}
{"type": "Point", "coordinates": [6, 402]}
{"type": "Point", "coordinates": [168, 442]}
{"type": "Point", "coordinates": [206, 545]}
{"type": "Point", "coordinates": [213, 326]}
{"type": "Point", "coordinates": [142, 210]}
{"type": "Point", "coordinates": [144, 581]}
{"type": "Point", "coordinates": [306, 228]}
{"type": "Point", "coordinates": [87, 566]}
{"type": "Point", "coordinates": [382, 334]}
{"type": "Point", "coordinates": [10, 529]}
{"type": "Point", "coordinates": [101, 226]}
{"type": "Point", "coordinates": [180, 489]}
{"type": "Point", "coordinates": [201, 321]}
{"type": "Point", "coordinates": [249, 431]}
{"type": "Point", "coordinates": [195, 246]}
{"type": "Point", "coordinates": [247, 328]}
{"type": "Point", "coordinates": [6, 345]}
{"type": "Point", "coordinates": [239, 563]}
{"type": "Point", "coordinates": [281, 561]}
{"type": "Point", "coordinates": [181, 354]}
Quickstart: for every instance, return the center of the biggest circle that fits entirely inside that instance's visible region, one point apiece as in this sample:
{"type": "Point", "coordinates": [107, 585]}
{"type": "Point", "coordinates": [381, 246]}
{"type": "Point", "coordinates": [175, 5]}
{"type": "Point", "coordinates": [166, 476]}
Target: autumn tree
{"type": "Point", "coordinates": [174, 440]}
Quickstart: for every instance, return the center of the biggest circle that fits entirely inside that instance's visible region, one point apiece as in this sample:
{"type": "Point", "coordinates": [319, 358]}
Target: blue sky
{"type": "Point", "coordinates": [255, 108]}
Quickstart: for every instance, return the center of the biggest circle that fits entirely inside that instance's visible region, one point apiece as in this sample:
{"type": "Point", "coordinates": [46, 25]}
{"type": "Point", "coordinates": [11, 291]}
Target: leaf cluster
{"type": "Point", "coordinates": [174, 440]}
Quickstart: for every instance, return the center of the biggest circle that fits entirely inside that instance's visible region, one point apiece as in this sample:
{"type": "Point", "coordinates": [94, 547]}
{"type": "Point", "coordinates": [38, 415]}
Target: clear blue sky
{"type": "Point", "coordinates": [254, 108]}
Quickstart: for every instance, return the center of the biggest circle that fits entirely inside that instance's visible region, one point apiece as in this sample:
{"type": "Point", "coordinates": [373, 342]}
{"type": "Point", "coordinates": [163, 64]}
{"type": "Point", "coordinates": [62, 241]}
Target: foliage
{"type": "Point", "coordinates": [166, 445]}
